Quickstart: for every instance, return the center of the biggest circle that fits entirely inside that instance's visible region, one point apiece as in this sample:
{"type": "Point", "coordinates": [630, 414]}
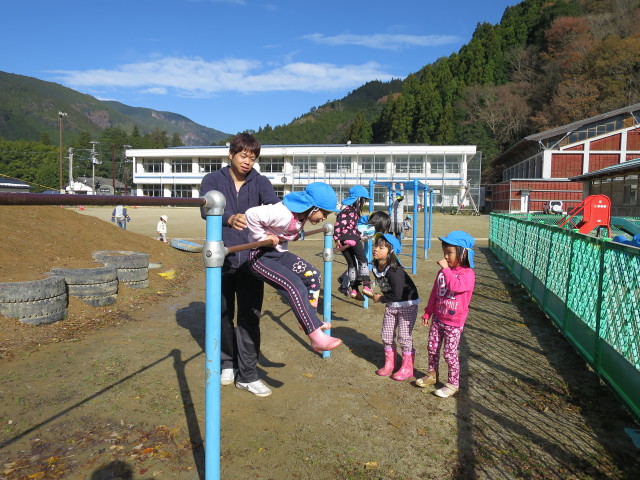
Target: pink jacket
{"type": "Point", "coordinates": [451, 295]}
{"type": "Point", "coordinates": [273, 219]}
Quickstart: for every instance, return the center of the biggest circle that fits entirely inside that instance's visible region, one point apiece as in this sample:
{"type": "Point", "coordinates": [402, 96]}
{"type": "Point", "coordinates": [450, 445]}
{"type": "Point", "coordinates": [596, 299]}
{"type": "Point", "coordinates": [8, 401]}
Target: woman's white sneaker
{"type": "Point", "coordinates": [227, 376]}
{"type": "Point", "coordinates": [258, 388]}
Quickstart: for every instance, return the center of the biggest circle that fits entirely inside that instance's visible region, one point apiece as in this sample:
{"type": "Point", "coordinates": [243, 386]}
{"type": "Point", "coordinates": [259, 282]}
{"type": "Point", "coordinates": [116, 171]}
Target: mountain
{"type": "Point", "coordinates": [29, 108]}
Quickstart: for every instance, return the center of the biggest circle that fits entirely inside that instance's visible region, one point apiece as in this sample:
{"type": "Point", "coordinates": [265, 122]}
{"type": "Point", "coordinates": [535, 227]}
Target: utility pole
{"type": "Point", "coordinates": [94, 162]}
{"type": "Point", "coordinates": [60, 115]}
{"type": "Point", "coordinates": [113, 167]}
{"type": "Point", "coordinates": [126, 179]}
{"type": "Point", "coordinates": [71, 189]}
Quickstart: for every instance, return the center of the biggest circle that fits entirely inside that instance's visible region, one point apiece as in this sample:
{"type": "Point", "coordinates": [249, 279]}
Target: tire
{"type": "Point", "coordinates": [121, 259]}
{"type": "Point", "coordinates": [52, 317]}
{"type": "Point", "coordinates": [86, 276]}
{"type": "Point", "coordinates": [94, 289]}
{"type": "Point", "coordinates": [34, 290]}
{"type": "Point", "coordinates": [140, 284]}
{"type": "Point", "coordinates": [185, 246]}
{"type": "Point", "coordinates": [34, 308]}
{"type": "Point", "coordinates": [128, 275]}
{"type": "Point", "coordinates": [100, 301]}
{"type": "Point", "coordinates": [35, 302]}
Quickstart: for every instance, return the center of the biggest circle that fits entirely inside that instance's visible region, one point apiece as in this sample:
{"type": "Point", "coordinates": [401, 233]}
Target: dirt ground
{"type": "Point", "coordinates": [118, 391]}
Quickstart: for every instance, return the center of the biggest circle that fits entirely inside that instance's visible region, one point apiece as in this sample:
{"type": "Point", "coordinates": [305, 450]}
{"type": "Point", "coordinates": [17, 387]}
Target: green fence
{"type": "Point", "coordinates": [589, 287]}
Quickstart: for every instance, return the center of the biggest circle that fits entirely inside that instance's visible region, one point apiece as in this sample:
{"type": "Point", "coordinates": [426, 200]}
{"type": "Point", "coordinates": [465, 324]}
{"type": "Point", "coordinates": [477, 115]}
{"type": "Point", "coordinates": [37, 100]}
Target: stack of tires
{"type": "Point", "coordinates": [132, 267]}
{"type": "Point", "coordinates": [36, 302]}
{"type": "Point", "coordinates": [95, 286]}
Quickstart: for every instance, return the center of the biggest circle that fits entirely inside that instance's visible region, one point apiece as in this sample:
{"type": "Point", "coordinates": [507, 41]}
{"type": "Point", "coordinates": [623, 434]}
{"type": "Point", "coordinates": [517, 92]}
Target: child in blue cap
{"type": "Point", "coordinates": [400, 296]}
{"type": "Point", "coordinates": [448, 308]}
{"type": "Point", "coordinates": [290, 275]}
{"type": "Point", "coordinates": [348, 241]}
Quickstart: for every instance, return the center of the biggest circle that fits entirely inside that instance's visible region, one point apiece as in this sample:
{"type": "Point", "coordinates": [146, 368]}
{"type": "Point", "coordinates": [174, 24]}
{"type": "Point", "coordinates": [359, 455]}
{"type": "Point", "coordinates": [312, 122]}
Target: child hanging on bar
{"type": "Point", "coordinates": [293, 277]}
{"type": "Point", "coordinates": [349, 242]}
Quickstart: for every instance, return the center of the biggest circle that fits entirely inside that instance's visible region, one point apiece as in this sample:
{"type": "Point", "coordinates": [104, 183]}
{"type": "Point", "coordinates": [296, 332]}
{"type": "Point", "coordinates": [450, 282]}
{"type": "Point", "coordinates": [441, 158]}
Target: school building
{"type": "Point", "coordinates": [447, 170]}
{"type": "Point", "coordinates": [552, 164]}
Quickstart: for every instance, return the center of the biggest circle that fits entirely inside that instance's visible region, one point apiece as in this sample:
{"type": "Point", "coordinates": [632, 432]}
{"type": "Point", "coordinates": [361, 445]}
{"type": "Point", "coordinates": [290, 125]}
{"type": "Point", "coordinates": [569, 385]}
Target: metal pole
{"type": "Point", "coordinates": [60, 115]}
{"type": "Point", "coordinates": [327, 255]}
{"type": "Point", "coordinates": [71, 170]}
{"type": "Point", "coordinates": [213, 253]}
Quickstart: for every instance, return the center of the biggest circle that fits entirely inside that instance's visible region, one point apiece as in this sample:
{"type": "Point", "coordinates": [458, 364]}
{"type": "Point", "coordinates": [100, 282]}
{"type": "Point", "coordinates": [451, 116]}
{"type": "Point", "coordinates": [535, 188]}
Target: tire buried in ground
{"type": "Point", "coordinates": [185, 245]}
{"type": "Point", "coordinates": [120, 259]}
{"type": "Point", "coordinates": [94, 286]}
{"type": "Point", "coordinates": [35, 302]}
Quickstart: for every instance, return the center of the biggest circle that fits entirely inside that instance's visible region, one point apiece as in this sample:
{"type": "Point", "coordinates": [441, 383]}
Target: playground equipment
{"type": "Point", "coordinates": [466, 195]}
{"type": "Point", "coordinates": [596, 215]}
{"type": "Point", "coordinates": [213, 252]}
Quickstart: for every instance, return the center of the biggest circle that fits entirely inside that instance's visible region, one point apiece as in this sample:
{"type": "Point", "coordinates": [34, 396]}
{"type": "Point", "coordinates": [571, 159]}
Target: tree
{"type": "Point", "coordinates": [176, 141]}
{"type": "Point", "coordinates": [359, 131]}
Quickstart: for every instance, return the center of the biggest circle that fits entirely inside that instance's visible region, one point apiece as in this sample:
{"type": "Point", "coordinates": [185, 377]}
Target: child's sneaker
{"type": "Point", "coordinates": [446, 391]}
{"type": "Point", "coordinates": [366, 290]}
{"type": "Point", "coordinates": [429, 379]}
{"type": "Point", "coordinates": [355, 294]}
{"type": "Point", "coordinates": [345, 291]}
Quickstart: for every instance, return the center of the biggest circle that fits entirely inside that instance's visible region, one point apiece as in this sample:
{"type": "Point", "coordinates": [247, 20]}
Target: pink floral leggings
{"type": "Point", "coordinates": [439, 333]}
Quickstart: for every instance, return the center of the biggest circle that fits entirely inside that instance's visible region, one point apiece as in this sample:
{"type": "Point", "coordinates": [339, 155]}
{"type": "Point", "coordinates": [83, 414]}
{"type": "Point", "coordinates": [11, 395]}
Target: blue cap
{"type": "Point", "coordinates": [461, 239]}
{"type": "Point", "coordinates": [356, 192]}
{"type": "Point", "coordinates": [316, 194]}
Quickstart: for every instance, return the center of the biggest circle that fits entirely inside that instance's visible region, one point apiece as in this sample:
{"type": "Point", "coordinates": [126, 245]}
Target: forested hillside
{"type": "Point", "coordinates": [547, 63]}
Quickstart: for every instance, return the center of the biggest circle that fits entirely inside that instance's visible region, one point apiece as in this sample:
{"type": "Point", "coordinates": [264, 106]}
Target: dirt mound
{"type": "Point", "coordinates": [39, 238]}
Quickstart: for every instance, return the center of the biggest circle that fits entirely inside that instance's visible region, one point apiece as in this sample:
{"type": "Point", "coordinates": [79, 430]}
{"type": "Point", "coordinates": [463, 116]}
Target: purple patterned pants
{"type": "Point", "coordinates": [402, 318]}
{"type": "Point", "coordinates": [440, 333]}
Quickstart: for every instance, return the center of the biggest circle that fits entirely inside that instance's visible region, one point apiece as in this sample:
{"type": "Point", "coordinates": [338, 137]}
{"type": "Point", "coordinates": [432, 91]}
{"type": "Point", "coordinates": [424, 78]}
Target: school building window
{"type": "Point", "coordinates": [630, 196]}
{"type": "Point", "coordinates": [271, 165]}
{"type": "Point", "coordinates": [374, 163]}
{"type": "Point", "coordinates": [208, 165]}
{"type": "Point", "coordinates": [152, 165]}
{"type": "Point", "coordinates": [306, 163]}
{"type": "Point", "coordinates": [337, 164]}
{"type": "Point", "coordinates": [409, 163]}
{"type": "Point", "coordinates": [181, 165]}
{"type": "Point", "coordinates": [182, 191]}
{"type": "Point", "coordinates": [151, 190]}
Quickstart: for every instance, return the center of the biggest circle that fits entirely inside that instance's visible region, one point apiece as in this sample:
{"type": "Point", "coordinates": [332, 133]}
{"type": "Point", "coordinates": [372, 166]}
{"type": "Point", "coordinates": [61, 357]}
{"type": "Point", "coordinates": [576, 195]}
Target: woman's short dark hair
{"type": "Point", "coordinates": [245, 142]}
{"type": "Point", "coordinates": [461, 254]}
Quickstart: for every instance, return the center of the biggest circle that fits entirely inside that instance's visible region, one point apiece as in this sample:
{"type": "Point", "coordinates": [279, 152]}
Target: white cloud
{"type": "Point", "coordinates": [195, 77]}
{"type": "Point", "coordinates": [383, 41]}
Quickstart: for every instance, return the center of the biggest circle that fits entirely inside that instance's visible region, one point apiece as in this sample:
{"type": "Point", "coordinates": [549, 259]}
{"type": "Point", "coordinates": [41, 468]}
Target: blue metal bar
{"type": "Point", "coordinates": [327, 256]}
{"type": "Point", "coordinates": [213, 253]}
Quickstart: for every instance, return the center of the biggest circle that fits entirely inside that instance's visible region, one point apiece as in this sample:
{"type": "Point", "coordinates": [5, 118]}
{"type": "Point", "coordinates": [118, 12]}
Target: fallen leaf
{"type": "Point", "coordinates": [308, 375]}
{"type": "Point", "coordinates": [36, 475]}
{"type": "Point", "coordinates": [371, 465]}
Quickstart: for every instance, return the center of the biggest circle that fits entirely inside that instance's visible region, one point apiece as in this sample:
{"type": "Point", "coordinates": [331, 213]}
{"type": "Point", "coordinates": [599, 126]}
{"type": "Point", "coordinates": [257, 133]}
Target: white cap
{"type": "Point", "coordinates": [164, 217]}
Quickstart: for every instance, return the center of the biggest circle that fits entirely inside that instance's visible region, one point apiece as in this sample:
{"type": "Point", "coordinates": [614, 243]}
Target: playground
{"type": "Point", "coordinates": [118, 391]}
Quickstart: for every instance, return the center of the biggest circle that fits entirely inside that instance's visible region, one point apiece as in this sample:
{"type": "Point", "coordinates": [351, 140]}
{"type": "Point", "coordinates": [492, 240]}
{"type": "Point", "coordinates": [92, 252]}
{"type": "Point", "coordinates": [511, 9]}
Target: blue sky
{"type": "Point", "coordinates": [232, 64]}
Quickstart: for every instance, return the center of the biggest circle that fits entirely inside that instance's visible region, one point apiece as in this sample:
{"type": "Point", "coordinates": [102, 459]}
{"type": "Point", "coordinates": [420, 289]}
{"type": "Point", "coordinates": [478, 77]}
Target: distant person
{"type": "Point", "coordinates": [406, 225]}
{"type": "Point", "coordinates": [400, 296]}
{"type": "Point", "coordinates": [243, 187]}
{"type": "Point", "coordinates": [119, 215]}
{"type": "Point", "coordinates": [293, 277]}
{"type": "Point", "coordinates": [161, 228]}
{"type": "Point", "coordinates": [448, 308]}
{"type": "Point", "coordinates": [349, 242]}
{"type": "Point", "coordinates": [397, 208]}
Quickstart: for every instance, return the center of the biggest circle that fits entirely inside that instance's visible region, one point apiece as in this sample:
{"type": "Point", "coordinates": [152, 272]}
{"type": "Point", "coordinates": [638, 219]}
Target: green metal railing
{"type": "Point", "coordinates": [589, 287]}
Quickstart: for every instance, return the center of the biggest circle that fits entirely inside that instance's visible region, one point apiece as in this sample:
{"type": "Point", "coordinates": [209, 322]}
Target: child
{"type": "Point", "coordinates": [406, 225]}
{"type": "Point", "coordinates": [368, 226]}
{"type": "Point", "coordinates": [161, 228]}
{"type": "Point", "coordinates": [400, 296]}
{"type": "Point", "coordinates": [448, 308]}
{"type": "Point", "coordinates": [348, 241]}
{"type": "Point", "coordinates": [293, 277]}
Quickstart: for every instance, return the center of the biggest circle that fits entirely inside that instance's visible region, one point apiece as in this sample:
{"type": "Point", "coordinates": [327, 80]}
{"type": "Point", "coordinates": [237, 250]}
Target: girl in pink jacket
{"type": "Point", "coordinates": [448, 308]}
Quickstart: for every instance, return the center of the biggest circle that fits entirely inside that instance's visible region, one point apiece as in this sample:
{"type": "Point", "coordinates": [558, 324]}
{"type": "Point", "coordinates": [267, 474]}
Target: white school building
{"type": "Point", "coordinates": [178, 171]}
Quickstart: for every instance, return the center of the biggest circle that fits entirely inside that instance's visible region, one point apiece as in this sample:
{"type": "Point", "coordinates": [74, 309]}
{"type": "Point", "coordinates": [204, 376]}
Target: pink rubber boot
{"type": "Point", "coordinates": [389, 362]}
{"type": "Point", "coordinates": [321, 342]}
{"type": "Point", "coordinates": [406, 370]}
